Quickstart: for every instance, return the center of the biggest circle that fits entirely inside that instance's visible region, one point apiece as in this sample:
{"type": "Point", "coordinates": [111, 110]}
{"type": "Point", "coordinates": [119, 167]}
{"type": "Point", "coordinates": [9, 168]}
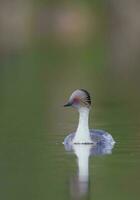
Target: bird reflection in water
{"type": "Point", "coordinates": [79, 185]}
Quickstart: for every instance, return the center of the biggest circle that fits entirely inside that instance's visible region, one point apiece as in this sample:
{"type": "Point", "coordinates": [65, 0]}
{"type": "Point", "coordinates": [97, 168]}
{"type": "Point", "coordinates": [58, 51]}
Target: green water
{"type": "Point", "coordinates": [33, 161]}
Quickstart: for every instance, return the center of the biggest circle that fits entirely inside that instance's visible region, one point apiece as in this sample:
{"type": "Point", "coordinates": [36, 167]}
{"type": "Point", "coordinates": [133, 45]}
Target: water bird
{"type": "Point", "coordinates": [81, 101]}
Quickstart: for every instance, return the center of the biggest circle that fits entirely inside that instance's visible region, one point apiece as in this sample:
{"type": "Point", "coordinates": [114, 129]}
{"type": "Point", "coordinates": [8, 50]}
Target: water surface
{"type": "Point", "coordinates": [33, 160]}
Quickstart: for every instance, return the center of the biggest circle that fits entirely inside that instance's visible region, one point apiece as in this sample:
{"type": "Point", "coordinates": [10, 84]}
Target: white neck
{"type": "Point", "coordinates": [82, 134]}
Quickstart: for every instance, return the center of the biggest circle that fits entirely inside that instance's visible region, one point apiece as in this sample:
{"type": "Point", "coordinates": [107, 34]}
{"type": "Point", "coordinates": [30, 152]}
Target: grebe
{"type": "Point", "coordinates": [80, 100]}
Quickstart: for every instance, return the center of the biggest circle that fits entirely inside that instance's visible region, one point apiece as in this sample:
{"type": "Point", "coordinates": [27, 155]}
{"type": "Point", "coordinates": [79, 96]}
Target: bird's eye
{"type": "Point", "coordinates": [76, 100]}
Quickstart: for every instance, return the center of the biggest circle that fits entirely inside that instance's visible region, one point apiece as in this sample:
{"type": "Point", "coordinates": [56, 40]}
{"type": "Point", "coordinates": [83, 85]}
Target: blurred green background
{"type": "Point", "coordinates": [47, 50]}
